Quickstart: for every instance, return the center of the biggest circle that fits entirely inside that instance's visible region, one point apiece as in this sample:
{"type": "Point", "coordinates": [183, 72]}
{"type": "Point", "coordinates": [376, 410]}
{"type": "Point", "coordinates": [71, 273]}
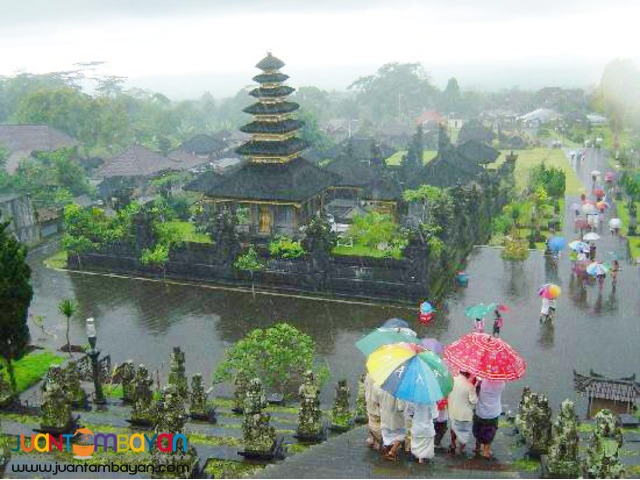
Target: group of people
{"type": "Point", "coordinates": [473, 407]}
{"type": "Point", "coordinates": [498, 322]}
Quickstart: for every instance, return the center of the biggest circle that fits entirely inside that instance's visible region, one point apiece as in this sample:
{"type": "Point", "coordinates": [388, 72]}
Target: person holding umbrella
{"type": "Point", "coordinates": [485, 418]}
{"type": "Point", "coordinates": [496, 362]}
{"type": "Point", "coordinates": [461, 401]}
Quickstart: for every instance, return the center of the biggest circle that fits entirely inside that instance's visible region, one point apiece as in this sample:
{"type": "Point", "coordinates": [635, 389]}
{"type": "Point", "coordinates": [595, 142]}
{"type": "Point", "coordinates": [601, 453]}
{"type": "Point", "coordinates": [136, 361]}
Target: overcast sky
{"type": "Point", "coordinates": [215, 44]}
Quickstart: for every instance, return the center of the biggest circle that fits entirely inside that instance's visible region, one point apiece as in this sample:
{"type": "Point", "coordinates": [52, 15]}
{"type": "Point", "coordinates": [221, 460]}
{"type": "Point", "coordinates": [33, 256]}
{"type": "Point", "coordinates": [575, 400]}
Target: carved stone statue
{"type": "Point", "coordinates": [127, 374]}
{"type": "Point", "coordinates": [198, 409]}
{"type": "Point", "coordinates": [56, 403]}
{"type": "Point", "coordinates": [562, 460]}
{"type": "Point", "coordinates": [340, 414]}
{"type": "Point", "coordinates": [142, 412]}
{"type": "Point", "coordinates": [258, 435]}
{"type": "Point", "coordinates": [309, 414]}
{"type": "Point", "coordinates": [71, 383]}
{"type": "Point", "coordinates": [361, 402]}
{"type": "Point", "coordinates": [177, 376]}
{"type": "Point", "coordinates": [523, 410]}
{"type": "Point", "coordinates": [170, 419]}
{"type": "Point", "coordinates": [241, 385]}
{"type": "Point", "coordinates": [604, 448]}
{"type": "Point", "coordinates": [5, 451]}
{"type": "Point", "coordinates": [538, 434]}
{"type": "Point", "coordinates": [5, 392]}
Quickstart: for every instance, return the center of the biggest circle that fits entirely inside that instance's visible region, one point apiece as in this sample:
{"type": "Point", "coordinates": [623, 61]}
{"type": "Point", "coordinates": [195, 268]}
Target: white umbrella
{"type": "Point", "coordinates": [595, 173]}
{"type": "Point", "coordinates": [615, 223]}
{"type": "Point", "coordinates": [591, 236]}
{"type": "Point", "coordinates": [589, 209]}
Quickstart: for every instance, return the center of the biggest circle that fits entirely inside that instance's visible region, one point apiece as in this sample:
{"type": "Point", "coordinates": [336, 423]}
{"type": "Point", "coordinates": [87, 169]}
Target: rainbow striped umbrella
{"type": "Point", "coordinates": [410, 372]}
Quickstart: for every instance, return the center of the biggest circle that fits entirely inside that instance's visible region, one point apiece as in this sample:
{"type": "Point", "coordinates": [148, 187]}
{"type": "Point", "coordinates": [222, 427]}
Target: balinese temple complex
{"type": "Point", "coordinates": [276, 189]}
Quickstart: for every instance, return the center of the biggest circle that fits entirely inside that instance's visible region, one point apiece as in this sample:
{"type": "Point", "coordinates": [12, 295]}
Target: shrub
{"type": "Point", "coordinates": [284, 247]}
{"type": "Point", "coordinates": [278, 355]}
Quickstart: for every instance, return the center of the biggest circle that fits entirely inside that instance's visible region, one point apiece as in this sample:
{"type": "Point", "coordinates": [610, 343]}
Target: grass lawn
{"type": "Point", "coordinates": [552, 157]}
{"type": "Point", "coordinates": [32, 367]}
{"type": "Point", "coordinates": [185, 232]}
{"type": "Point", "coordinates": [623, 214]}
{"type": "Point", "coordinates": [57, 260]}
{"type": "Point", "coordinates": [396, 158]}
{"type": "Point", "coordinates": [364, 251]}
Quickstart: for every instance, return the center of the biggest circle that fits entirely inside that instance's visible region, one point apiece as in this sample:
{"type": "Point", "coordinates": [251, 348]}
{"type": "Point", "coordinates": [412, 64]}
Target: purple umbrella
{"type": "Point", "coordinates": [432, 344]}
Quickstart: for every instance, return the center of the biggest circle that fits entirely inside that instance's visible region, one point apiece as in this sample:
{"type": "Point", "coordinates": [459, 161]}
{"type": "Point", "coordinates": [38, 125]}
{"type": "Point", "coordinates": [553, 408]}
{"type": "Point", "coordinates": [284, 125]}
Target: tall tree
{"type": "Point", "coordinates": [450, 99]}
{"type": "Point", "coordinates": [15, 296]}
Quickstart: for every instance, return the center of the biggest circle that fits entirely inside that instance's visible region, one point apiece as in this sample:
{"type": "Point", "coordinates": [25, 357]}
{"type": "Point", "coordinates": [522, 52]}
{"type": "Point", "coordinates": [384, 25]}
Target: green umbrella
{"type": "Point", "coordinates": [370, 343]}
{"type": "Point", "coordinates": [479, 310]}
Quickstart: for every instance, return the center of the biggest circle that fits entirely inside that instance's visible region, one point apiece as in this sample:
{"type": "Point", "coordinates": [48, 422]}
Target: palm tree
{"type": "Point", "coordinates": [67, 307]}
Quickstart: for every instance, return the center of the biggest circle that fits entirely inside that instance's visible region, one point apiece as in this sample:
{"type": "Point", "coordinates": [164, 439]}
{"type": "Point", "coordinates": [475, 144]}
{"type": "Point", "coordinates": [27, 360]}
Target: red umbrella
{"type": "Point", "coordinates": [485, 356]}
{"type": "Point", "coordinates": [598, 192]}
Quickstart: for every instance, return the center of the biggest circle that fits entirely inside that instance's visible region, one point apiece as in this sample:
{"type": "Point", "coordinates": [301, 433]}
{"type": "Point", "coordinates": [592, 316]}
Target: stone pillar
{"type": "Point", "coordinates": [258, 435]}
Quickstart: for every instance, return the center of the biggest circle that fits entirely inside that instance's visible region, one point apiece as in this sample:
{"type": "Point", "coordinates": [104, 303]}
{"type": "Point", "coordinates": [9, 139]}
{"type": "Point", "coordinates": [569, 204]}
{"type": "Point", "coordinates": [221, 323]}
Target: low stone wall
{"type": "Point", "coordinates": [356, 277]}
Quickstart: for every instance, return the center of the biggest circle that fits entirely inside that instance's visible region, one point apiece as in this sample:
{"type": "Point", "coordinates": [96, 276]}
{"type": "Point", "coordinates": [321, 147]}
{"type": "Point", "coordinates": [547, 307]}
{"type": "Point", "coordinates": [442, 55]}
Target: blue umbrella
{"type": "Point", "coordinates": [557, 243]}
{"type": "Point", "coordinates": [395, 323]}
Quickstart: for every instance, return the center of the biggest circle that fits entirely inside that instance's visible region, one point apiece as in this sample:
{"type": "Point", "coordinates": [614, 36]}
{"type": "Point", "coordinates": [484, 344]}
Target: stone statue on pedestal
{"type": "Point", "coordinates": [198, 409]}
{"type": "Point", "coordinates": [127, 374]}
{"type": "Point", "coordinates": [170, 420]}
{"type": "Point", "coordinates": [177, 376]}
{"type": "Point", "coordinates": [258, 435]}
{"type": "Point", "coordinates": [309, 414]}
{"type": "Point", "coordinates": [71, 383]}
{"type": "Point", "coordinates": [56, 403]}
{"type": "Point", "coordinates": [603, 455]}
{"type": "Point", "coordinates": [142, 412]}
{"type": "Point", "coordinates": [5, 450]}
{"type": "Point", "coordinates": [241, 385]}
{"type": "Point", "coordinates": [539, 425]}
{"type": "Point", "coordinates": [523, 411]}
{"type": "Point", "coordinates": [341, 417]}
{"type": "Point", "coordinates": [562, 460]}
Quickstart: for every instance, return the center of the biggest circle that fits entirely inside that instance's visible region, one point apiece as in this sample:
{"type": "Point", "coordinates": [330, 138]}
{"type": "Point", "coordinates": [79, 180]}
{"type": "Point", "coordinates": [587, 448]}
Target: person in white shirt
{"type": "Point", "coordinates": [392, 423]}
{"type": "Point", "coordinates": [488, 411]}
{"type": "Point", "coordinates": [461, 401]}
{"type": "Point", "coordinates": [371, 396]}
{"type": "Point", "coordinates": [423, 431]}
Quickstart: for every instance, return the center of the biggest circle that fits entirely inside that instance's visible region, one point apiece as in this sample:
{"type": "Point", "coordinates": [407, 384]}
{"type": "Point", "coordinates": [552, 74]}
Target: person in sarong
{"type": "Point", "coordinates": [371, 396]}
{"type": "Point", "coordinates": [392, 423]}
{"type": "Point", "coordinates": [440, 422]}
{"type": "Point", "coordinates": [461, 401]}
{"type": "Point", "coordinates": [423, 431]}
{"type": "Point", "coordinates": [488, 411]}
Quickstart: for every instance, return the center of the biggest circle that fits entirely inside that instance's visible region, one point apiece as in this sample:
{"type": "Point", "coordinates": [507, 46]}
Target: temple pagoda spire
{"type": "Point", "coordinates": [273, 130]}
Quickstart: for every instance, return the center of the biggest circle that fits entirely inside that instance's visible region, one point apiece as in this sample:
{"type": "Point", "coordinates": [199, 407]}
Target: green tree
{"type": "Point", "coordinates": [158, 256]}
{"type": "Point", "coordinates": [15, 296]}
{"type": "Point", "coordinates": [250, 262]}
{"type": "Point", "coordinates": [278, 355]}
{"type": "Point", "coordinates": [451, 98]}
{"type": "Point", "coordinates": [67, 308]}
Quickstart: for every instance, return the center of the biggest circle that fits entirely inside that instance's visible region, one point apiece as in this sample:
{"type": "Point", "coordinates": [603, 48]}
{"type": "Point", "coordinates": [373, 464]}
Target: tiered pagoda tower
{"type": "Point", "coordinates": [279, 189]}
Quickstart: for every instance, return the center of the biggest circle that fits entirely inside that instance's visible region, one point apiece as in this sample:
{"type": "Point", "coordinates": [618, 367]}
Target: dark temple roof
{"type": "Point", "coordinates": [276, 77]}
{"type": "Point", "coordinates": [137, 161]}
{"type": "Point", "coordinates": [271, 108]}
{"type": "Point", "coordinates": [203, 144]}
{"type": "Point", "coordinates": [478, 152]}
{"type": "Point", "coordinates": [272, 127]}
{"type": "Point", "coordinates": [374, 185]}
{"type": "Point", "coordinates": [294, 181]}
{"type": "Point", "coordinates": [270, 63]}
{"type": "Point", "coordinates": [279, 91]}
{"type": "Point", "coordinates": [280, 148]}
{"type": "Point", "coordinates": [597, 386]}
